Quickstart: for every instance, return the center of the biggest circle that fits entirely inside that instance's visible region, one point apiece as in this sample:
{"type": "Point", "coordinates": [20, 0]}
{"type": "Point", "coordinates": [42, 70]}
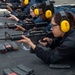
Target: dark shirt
{"type": "Point", "coordinates": [27, 8]}
{"type": "Point", "coordinates": [39, 1]}
{"type": "Point", "coordinates": [13, 1]}
{"type": "Point", "coordinates": [16, 1]}
{"type": "Point", "coordinates": [64, 50]}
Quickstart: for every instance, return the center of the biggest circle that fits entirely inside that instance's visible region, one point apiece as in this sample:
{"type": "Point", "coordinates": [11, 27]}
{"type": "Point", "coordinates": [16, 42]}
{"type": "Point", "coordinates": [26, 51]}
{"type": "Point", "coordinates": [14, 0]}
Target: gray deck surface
{"type": "Point", "coordinates": [12, 59]}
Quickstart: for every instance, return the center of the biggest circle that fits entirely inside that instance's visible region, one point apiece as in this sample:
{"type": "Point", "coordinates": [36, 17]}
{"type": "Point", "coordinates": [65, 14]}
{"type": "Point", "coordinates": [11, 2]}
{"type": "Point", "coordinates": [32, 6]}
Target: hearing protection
{"type": "Point", "coordinates": [64, 25]}
{"type": "Point", "coordinates": [26, 2]}
{"type": "Point", "coordinates": [48, 12]}
{"type": "Point", "coordinates": [36, 10]}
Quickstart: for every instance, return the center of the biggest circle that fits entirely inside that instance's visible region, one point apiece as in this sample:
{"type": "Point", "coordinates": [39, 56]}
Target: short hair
{"type": "Point", "coordinates": [71, 18]}
{"type": "Point", "coordinates": [43, 6]}
{"type": "Point", "coordinates": [32, 6]}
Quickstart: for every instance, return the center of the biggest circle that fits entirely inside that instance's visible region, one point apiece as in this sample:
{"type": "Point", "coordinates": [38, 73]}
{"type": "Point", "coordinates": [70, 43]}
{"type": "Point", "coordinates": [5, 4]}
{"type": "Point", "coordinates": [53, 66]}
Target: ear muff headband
{"type": "Point", "coordinates": [26, 2]}
{"type": "Point", "coordinates": [64, 25]}
{"type": "Point", "coordinates": [48, 12]}
{"type": "Point", "coordinates": [36, 10]}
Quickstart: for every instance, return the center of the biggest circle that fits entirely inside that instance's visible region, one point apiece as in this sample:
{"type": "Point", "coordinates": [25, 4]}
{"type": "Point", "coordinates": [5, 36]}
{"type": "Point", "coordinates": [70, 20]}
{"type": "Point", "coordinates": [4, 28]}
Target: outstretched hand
{"type": "Point", "coordinates": [13, 17]}
{"type": "Point", "coordinates": [19, 28]}
{"type": "Point", "coordinates": [45, 41]}
{"type": "Point", "coordinates": [27, 41]}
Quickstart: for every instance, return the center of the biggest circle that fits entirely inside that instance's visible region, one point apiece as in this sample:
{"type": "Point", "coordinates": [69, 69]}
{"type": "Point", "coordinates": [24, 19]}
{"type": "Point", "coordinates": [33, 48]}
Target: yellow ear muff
{"type": "Point", "coordinates": [36, 11]}
{"type": "Point", "coordinates": [65, 26]}
{"type": "Point", "coordinates": [26, 2]}
{"type": "Point", "coordinates": [48, 14]}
